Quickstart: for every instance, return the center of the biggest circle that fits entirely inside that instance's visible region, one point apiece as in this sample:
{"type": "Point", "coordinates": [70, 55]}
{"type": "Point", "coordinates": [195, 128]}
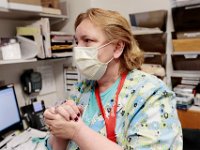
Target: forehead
{"type": "Point", "coordinates": [87, 28]}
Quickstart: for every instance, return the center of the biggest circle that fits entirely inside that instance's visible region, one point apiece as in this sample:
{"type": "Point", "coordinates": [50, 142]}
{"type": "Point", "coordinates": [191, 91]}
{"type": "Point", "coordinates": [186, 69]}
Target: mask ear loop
{"type": "Point", "coordinates": [103, 47]}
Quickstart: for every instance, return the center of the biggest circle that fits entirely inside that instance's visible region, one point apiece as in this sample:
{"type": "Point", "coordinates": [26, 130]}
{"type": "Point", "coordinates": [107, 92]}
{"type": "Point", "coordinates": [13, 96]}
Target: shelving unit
{"type": "Point", "coordinates": [185, 58]}
{"type": "Point", "coordinates": [28, 15]}
{"type": "Point", "coordinates": [152, 38]}
{"type": "Point", "coordinates": [4, 62]}
{"type": "Point", "coordinates": [19, 15]}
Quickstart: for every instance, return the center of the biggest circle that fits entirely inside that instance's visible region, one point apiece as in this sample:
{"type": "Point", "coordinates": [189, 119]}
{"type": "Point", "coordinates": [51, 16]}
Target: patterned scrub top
{"type": "Point", "coordinates": [146, 115]}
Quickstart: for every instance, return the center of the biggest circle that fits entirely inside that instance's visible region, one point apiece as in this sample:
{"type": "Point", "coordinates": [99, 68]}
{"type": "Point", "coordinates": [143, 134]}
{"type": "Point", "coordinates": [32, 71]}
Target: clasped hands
{"type": "Point", "coordinates": [64, 121]}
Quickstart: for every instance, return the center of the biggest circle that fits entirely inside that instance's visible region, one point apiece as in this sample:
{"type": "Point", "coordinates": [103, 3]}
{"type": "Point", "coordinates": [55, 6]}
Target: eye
{"type": "Point", "coordinates": [87, 40]}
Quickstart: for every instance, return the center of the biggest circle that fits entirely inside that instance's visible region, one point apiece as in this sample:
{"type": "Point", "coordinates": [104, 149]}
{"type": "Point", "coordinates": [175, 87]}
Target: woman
{"type": "Point", "coordinates": [121, 107]}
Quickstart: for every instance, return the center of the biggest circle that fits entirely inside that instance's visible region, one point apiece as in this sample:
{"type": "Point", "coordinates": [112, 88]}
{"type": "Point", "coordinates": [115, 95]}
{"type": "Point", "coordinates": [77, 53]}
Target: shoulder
{"type": "Point", "coordinates": [141, 88]}
{"type": "Point", "coordinates": [145, 84]}
{"type": "Point", "coordinates": [81, 91]}
{"type": "Point", "coordinates": [84, 86]}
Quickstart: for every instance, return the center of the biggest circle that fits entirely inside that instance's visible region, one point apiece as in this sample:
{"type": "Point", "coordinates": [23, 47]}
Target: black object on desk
{"type": "Point", "coordinates": [33, 115]}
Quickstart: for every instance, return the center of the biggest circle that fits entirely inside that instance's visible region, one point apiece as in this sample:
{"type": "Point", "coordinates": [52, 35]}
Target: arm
{"type": "Point", "coordinates": [57, 143]}
{"type": "Point", "coordinates": [80, 133]}
{"type": "Point", "coordinates": [85, 136]}
{"type": "Point", "coordinates": [54, 143]}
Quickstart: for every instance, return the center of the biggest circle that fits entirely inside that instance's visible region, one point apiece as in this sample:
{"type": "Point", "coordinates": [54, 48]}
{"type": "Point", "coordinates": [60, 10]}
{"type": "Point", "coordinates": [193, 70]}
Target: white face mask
{"type": "Point", "coordinates": [87, 62]}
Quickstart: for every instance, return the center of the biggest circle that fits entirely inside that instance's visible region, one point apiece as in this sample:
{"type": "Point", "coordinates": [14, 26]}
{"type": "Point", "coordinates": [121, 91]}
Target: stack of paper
{"type": "Point", "coordinates": [61, 44]}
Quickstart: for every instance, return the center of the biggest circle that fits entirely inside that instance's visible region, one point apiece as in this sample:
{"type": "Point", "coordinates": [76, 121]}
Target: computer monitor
{"type": "Point", "coordinates": [10, 118]}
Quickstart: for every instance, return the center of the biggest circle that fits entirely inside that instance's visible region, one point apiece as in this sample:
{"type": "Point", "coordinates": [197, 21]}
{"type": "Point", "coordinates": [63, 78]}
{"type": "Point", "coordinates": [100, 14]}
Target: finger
{"type": "Point", "coordinates": [74, 106]}
{"type": "Point", "coordinates": [64, 109]}
{"type": "Point", "coordinates": [49, 115]}
{"type": "Point", "coordinates": [48, 122]}
{"type": "Point", "coordinates": [52, 110]}
{"type": "Point", "coordinates": [70, 102]}
{"type": "Point", "coordinates": [63, 112]}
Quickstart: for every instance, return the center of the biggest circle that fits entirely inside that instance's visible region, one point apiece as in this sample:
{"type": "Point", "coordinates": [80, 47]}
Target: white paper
{"type": "Point", "coordinates": [48, 81]}
{"type": "Point", "coordinates": [24, 141]}
{"type": "Point", "coordinates": [4, 4]}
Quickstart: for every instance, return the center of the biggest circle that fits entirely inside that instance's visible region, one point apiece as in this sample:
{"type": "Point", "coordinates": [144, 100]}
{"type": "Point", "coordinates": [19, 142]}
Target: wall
{"type": "Point", "coordinates": [74, 8]}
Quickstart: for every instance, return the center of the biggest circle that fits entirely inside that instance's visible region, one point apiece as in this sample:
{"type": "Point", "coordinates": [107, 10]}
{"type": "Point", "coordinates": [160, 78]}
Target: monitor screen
{"type": "Point", "coordinates": [10, 118]}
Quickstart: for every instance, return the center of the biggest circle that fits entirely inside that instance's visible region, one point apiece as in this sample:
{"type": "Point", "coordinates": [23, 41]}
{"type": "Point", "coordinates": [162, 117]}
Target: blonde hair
{"type": "Point", "coordinates": [116, 27]}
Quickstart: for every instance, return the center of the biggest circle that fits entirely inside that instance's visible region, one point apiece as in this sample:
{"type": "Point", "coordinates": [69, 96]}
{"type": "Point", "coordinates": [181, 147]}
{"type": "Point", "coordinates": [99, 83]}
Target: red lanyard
{"type": "Point", "coordinates": [110, 121]}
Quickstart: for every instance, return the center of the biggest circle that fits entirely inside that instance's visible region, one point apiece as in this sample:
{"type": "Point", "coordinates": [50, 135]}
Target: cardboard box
{"type": "Point", "coordinates": [31, 2]}
{"type": "Point", "coordinates": [50, 3]}
{"type": "Point", "coordinates": [190, 119]}
{"type": "Point", "coordinates": [186, 45]}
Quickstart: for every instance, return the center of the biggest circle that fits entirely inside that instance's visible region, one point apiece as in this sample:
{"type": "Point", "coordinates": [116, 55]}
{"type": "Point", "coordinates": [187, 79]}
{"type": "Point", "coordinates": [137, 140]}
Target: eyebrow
{"type": "Point", "coordinates": [82, 37]}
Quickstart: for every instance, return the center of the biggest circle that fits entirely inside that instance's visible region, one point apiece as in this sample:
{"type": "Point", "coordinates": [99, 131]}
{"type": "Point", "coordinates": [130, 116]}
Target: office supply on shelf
{"type": "Point", "coordinates": [11, 50]}
{"type": "Point", "coordinates": [61, 44]}
{"type": "Point", "coordinates": [48, 10]}
{"type": "Point", "coordinates": [33, 33]}
{"type": "Point", "coordinates": [29, 48]}
{"type": "Point", "coordinates": [50, 3]}
{"type": "Point", "coordinates": [44, 25]}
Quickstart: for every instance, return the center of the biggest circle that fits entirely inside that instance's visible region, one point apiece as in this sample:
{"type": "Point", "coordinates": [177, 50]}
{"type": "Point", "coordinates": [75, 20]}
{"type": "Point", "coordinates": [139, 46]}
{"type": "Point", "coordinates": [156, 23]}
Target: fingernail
{"type": "Point", "coordinates": [78, 114]}
{"type": "Point", "coordinates": [76, 119]}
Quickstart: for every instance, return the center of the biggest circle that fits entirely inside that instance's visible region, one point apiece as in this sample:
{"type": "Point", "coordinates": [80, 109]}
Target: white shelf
{"type": "Point", "coordinates": [186, 53]}
{"type": "Point", "coordinates": [191, 74]}
{"type": "Point", "coordinates": [28, 15]}
{"type": "Point", "coordinates": [52, 59]}
{"type": "Point", "coordinates": [3, 62]}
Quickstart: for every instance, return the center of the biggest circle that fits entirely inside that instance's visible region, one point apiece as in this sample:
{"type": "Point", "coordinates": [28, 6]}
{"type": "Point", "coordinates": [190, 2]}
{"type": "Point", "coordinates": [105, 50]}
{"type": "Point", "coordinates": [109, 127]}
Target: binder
{"type": "Point", "coordinates": [44, 24]}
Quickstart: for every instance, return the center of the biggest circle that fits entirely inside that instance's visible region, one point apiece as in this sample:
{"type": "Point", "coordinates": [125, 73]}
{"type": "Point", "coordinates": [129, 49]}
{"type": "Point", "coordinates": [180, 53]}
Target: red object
{"type": "Point", "coordinates": [110, 121]}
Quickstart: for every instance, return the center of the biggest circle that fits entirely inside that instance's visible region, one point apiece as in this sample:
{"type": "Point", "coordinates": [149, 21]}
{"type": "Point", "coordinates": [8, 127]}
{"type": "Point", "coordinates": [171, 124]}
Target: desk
{"type": "Point", "coordinates": [30, 139]}
{"type": "Point", "coordinates": [190, 119]}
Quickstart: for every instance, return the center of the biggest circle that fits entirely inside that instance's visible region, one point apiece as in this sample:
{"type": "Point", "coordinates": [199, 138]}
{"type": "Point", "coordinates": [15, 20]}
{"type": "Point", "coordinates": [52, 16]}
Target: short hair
{"type": "Point", "coordinates": [116, 27]}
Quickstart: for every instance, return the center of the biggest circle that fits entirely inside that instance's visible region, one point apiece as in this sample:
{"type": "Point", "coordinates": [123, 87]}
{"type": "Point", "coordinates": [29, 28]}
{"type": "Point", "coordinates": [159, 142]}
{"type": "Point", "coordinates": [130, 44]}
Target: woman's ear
{"type": "Point", "coordinates": [119, 49]}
